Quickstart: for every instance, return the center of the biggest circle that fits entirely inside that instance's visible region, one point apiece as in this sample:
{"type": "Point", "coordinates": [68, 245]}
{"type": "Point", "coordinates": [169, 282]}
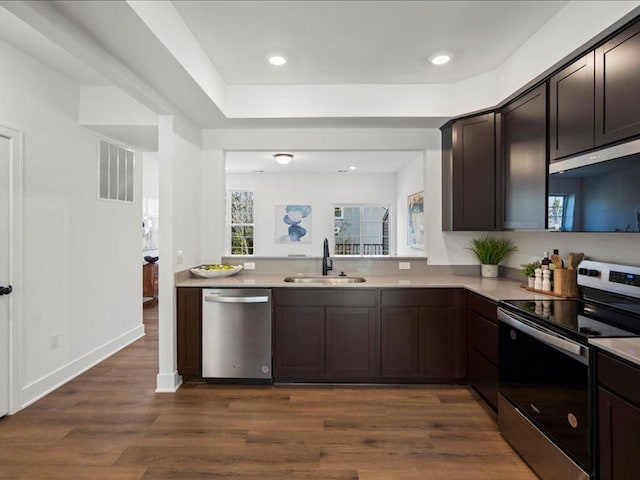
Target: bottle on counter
{"type": "Point", "coordinates": [546, 261]}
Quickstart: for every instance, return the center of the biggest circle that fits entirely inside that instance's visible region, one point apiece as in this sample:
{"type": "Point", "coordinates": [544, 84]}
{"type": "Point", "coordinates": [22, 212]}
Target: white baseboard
{"type": "Point", "coordinates": [41, 387]}
{"type": "Point", "coordinates": [168, 382]}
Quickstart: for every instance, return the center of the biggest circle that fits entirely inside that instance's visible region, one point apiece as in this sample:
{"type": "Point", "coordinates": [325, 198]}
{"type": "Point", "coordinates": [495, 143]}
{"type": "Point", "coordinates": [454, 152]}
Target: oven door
{"type": "Point", "coordinates": [546, 378]}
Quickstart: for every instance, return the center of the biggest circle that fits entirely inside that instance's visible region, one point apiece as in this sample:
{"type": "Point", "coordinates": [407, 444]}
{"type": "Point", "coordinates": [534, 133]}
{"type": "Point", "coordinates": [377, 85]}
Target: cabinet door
{"type": "Point", "coordinates": [618, 87]}
{"type": "Point", "coordinates": [438, 351]}
{"type": "Point", "coordinates": [483, 376]}
{"type": "Point", "coordinates": [189, 332]}
{"type": "Point", "coordinates": [619, 423]}
{"type": "Point", "coordinates": [524, 125]}
{"type": "Point", "coordinates": [352, 343]}
{"type": "Point", "coordinates": [474, 173]}
{"type": "Point", "coordinates": [399, 342]}
{"type": "Point", "coordinates": [299, 349]}
{"type": "Point", "coordinates": [571, 109]}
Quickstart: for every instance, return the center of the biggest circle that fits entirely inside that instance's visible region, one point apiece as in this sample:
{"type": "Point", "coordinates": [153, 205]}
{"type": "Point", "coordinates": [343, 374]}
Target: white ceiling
{"type": "Point", "coordinates": [328, 43]}
{"type": "Point", "coordinates": [321, 162]}
{"type": "Point", "coordinates": [369, 42]}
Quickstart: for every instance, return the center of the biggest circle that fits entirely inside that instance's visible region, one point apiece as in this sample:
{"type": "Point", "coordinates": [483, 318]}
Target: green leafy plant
{"type": "Point", "coordinates": [491, 250]}
{"type": "Point", "coordinates": [529, 269]}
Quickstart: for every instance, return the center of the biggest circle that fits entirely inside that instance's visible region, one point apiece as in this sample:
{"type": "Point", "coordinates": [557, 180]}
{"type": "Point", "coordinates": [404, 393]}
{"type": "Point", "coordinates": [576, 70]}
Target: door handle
{"type": "Point", "coordinates": [6, 290]}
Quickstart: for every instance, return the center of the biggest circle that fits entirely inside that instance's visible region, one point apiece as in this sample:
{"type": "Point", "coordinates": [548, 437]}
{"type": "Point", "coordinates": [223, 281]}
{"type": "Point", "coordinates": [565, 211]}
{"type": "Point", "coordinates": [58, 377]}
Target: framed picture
{"type": "Point", "coordinates": [415, 220]}
{"type": "Point", "coordinates": [293, 223]}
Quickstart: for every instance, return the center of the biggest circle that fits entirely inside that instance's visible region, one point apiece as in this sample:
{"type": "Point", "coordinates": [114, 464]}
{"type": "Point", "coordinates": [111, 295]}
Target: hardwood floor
{"type": "Point", "coordinates": [110, 424]}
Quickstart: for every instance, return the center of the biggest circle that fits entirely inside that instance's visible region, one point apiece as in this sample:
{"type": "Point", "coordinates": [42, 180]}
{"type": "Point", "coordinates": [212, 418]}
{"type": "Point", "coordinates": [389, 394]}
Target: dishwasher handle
{"type": "Point", "coordinates": [220, 299]}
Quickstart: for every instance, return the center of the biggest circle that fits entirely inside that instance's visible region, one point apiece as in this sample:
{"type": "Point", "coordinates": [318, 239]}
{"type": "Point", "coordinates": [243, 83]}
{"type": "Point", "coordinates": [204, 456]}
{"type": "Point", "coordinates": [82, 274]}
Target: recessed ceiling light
{"type": "Point", "coordinates": [277, 60]}
{"type": "Point", "coordinates": [352, 167]}
{"type": "Point", "coordinates": [440, 58]}
{"type": "Point", "coordinates": [283, 158]}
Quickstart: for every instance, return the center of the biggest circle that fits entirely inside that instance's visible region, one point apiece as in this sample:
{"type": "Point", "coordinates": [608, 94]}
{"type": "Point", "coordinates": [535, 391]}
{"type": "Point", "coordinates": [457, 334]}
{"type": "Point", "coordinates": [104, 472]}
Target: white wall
{"type": "Point", "coordinates": [321, 191]}
{"type": "Point", "coordinates": [180, 160]}
{"type": "Point", "coordinates": [80, 253]}
{"type": "Point", "coordinates": [409, 180]}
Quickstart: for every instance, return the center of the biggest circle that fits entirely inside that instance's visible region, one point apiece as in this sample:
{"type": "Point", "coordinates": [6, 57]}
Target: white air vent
{"type": "Point", "coordinates": [115, 172]}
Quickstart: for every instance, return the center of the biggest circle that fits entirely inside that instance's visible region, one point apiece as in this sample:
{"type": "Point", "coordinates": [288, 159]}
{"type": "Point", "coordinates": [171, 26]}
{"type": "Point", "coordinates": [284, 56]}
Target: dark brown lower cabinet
{"type": "Point", "coordinates": [300, 335]}
{"type": "Point", "coordinates": [619, 438]}
{"type": "Point", "coordinates": [352, 342]}
{"type": "Point", "coordinates": [189, 332]}
{"type": "Point", "coordinates": [618, 419]}
{"type": "Point", "coordinates": [422, 335]}
{"type": "Point", "coordinates": [482, 328]}
{"type": "Point", "coordinates": [326, 335]}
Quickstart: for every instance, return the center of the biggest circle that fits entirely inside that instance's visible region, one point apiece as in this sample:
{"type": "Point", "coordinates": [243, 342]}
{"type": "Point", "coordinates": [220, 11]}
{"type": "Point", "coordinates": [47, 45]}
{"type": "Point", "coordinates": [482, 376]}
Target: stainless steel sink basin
{"type": "Point", "coordinates": [324, 280]}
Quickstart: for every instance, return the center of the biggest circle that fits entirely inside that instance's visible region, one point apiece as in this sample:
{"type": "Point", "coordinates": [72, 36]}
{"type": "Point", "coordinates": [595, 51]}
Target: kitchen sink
{"type": "Point", "coordinates": [324, 280]}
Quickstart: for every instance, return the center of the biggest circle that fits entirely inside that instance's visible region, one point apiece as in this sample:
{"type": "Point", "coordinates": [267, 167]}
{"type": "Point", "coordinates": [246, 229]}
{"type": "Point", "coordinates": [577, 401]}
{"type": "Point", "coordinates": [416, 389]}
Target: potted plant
{"type": "Point", "coordinates": [528, 270]}
{"type": "Point", "coordinates": [491, 251]}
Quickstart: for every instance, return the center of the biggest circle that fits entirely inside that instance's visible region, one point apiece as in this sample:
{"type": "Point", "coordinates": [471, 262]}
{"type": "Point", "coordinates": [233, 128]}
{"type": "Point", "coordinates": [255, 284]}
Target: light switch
{"type": "Point", "coordinates": [249, 266]}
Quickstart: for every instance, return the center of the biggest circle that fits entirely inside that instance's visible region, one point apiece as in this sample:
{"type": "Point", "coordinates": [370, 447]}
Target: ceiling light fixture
{"type": "Point", "coordinates": [283, 158]}
{"type": "Point", "coordinates": [440, 58]}
{"type": "Point", "coordinates": [277, 60]}
{"type": "Point", "coordinates": [352, 167]}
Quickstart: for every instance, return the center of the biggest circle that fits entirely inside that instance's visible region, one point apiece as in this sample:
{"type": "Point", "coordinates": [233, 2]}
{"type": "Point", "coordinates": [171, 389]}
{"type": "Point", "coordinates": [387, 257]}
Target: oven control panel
{"type": "Point", "coordinates": [623, 279]}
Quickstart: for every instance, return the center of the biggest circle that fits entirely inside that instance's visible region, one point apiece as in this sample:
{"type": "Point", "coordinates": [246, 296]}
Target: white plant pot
{"type": "Point", "coordinates": [531, 281]}
{"type": "Point", "coordinates": [489, 271]}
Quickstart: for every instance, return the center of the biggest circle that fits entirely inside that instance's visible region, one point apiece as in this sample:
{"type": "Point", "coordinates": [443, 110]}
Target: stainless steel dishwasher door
{"type": "Point", "coordinates": [236, 333]}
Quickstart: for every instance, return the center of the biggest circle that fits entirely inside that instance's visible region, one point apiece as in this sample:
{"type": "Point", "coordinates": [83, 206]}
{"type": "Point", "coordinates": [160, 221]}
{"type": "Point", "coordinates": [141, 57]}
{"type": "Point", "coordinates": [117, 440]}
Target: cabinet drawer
{"type": "Point", "coordinates": [483, 376]}
{"type": "Point", "coordinates": [418, 297]}
{"type": "Point", "coordinates": [484, 307]}
{"type": "Point", "coordinates": [483, 336]}
{"type": "Point", "coordinates": [619, 378]}
{"type": "Point", "coordinates": [339, 297]}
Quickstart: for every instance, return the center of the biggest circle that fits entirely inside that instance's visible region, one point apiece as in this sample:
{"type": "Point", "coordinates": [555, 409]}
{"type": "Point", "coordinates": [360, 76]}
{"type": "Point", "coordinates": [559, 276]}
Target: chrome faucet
{"type": "Point", "coordinates": [327, 264]}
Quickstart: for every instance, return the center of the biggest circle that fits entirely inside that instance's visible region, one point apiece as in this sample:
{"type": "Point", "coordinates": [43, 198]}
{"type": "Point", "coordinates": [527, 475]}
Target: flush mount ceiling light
{"type": "Point", "coordinates": [352, 167]}
{"type": "Point", "coordinates": [277, 60]}
{"type": "Point", "coordinates": [440, 58]}
{"type": "Point", "coordinates": [283, 158]}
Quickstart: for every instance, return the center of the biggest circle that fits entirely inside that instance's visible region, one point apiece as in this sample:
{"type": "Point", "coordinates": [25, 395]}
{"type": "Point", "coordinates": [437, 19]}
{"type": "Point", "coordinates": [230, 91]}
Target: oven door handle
{"type": "Point", "coordinates": [545, 336]}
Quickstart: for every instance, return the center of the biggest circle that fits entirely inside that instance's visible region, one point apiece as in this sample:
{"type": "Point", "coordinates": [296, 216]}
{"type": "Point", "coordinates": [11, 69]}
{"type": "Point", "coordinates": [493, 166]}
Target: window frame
{"type": "Point", "coordinates": [230, 224]}
{"type": "Point", "coordinates": [341, 208]}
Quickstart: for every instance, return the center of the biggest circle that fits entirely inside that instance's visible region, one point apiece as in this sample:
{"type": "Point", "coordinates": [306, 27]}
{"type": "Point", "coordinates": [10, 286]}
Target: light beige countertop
{"type": "Point", "coordinates": [627, 347]}
{"type": "Point", "coordinates": [493, 288]}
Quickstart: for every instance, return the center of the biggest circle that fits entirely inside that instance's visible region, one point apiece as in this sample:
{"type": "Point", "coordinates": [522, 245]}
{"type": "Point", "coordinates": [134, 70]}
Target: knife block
{"type": "Point", "coordinates": [565, 282]}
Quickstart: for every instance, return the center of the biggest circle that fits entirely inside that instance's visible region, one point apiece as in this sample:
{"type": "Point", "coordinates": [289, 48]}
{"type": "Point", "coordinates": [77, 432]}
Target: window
{"type": "Point", "coordinates": [115, 172]}
{"type": "Point", "coordinates": [241, 226]}
{"type": "Point", "coordinates": [361, 230]}
{"type": "Point", "coordinates": [557, 205]}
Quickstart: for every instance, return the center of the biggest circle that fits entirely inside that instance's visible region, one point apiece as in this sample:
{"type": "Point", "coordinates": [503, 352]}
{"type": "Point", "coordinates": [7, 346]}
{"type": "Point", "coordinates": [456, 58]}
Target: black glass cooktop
{"type": "Point", "coordinates": [579, 318]}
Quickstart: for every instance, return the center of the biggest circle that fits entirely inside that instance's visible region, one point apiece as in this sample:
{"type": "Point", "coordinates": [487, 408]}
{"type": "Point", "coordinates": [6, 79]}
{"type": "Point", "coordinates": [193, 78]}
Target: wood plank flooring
{"type": "Point", "coordinates": [110, 424]}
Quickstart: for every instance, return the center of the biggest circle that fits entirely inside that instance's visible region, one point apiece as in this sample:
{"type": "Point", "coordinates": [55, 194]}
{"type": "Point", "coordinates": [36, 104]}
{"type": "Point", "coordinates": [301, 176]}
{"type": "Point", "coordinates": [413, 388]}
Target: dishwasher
{"type": "Point", "coordinates": [236, 334]}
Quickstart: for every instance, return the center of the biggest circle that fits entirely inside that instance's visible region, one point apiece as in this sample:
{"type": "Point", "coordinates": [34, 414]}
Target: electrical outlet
{"type": "Point", "coordinates": [249, 266]}
{"type": "Point", "coordinates": [179, 257]}
{"type": "Point", "coordinates": [53, 341]}
{"type": "Point", "coordinates": [404, 265]}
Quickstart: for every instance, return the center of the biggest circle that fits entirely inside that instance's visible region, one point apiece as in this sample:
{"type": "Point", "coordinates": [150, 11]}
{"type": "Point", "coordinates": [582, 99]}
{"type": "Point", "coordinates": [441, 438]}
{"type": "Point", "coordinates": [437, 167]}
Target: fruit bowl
{"type": "Point", "coordinates": [216, 270]}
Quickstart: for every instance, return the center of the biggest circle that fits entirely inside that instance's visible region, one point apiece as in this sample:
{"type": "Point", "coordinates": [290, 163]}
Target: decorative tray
{"type": "Point", "coordinates": [216, 270]}
{"type": "Point", "coordinates": [548, 292]}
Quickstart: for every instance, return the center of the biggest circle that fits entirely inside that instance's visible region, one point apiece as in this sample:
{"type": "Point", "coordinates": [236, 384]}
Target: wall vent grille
{"type": "Point", "coordinates": [115, 172]}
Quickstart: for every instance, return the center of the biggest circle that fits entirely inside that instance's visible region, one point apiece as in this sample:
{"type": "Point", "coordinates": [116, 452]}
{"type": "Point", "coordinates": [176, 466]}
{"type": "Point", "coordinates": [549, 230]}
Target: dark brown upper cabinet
{"type": "Point", "coordinates": [524, 161]}
{"type": "Point", "coordinates": [571, 109]}
{"type": "Point", "coordinates": [469, 174]}
{"type": "Point", "coordinates": [617, 86]}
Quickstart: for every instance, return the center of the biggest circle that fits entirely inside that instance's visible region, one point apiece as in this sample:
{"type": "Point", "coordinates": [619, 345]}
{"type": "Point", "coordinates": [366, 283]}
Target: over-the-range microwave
{"type": "Point", "coordinates": [596, 192]}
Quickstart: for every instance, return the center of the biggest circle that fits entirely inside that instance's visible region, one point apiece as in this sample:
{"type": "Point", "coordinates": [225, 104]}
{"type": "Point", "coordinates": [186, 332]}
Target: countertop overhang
{"type": "Point", "coordinates": [493, 288]}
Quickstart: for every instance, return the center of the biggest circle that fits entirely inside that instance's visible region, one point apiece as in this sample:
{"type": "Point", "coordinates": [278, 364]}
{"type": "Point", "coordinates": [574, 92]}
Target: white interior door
{"type": "Point", "coordinates": [5, 227]}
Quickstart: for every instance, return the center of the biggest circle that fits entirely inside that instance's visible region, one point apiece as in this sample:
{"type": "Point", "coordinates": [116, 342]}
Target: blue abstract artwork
{"type": "Point", "coordinates": [293, 224]}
